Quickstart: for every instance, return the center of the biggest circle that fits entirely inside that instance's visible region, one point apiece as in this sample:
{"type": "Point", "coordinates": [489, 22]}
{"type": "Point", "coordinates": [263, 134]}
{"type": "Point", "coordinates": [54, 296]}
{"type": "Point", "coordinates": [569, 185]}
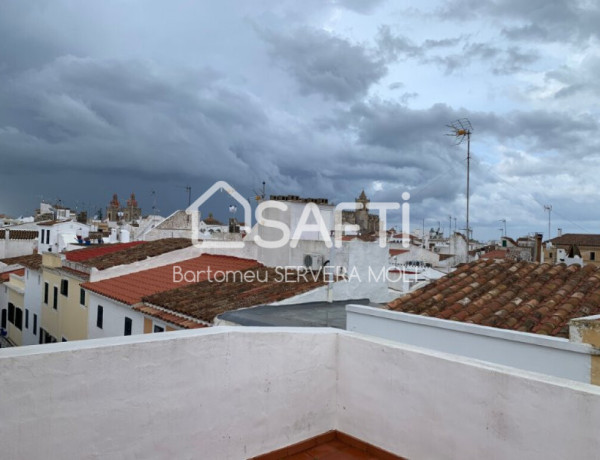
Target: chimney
{"type": "Point", "coordinates": [560, 232]}
{"type": "Point", "coordinates": [537, 252]}
{"type": "Point", "coordinates": [587, 330]}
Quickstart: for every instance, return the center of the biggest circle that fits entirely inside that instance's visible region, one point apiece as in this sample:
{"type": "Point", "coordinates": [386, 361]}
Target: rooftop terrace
{"type": "Point", "coordinates": [235, 393]}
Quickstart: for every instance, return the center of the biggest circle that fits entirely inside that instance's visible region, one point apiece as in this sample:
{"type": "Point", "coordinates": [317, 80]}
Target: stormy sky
{"type": "Point", "coordinates": [317, 98]}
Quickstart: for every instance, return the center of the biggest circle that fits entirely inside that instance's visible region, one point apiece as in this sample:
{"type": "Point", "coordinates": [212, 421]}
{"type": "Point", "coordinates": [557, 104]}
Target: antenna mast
{"type": "Point", "coordinates": [462, 129]}
{"type": "Point", "coordinates": [548, 207]}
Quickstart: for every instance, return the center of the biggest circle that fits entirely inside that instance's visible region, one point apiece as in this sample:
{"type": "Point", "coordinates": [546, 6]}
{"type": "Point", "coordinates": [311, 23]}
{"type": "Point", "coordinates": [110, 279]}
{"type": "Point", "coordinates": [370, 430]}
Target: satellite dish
{"type": "Point", "coordinates": [308, 261]}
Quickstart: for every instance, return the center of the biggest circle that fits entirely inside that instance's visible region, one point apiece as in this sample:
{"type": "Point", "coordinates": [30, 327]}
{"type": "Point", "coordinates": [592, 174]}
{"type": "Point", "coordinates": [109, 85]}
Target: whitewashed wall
{"type": "Point", "coordinates": [33, 303]}
{"type": "Point", "coordinates": [428, 405]}
{"type": "Point", "coordinates": [531, 352]}
{"type": "Point", "coordinates": [113, 317]}
{"type": "Point", "coordinates": [179, 395]}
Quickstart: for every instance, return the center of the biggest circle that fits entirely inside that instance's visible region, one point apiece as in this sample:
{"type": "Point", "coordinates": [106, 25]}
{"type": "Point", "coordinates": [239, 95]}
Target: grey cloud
{"type": "Point", "coordinates": [502, 60]}
{"type": "Point", "coordinates": [322, 63]}
{"type": "Point", "coordinates": [360, 6]}
{"type": "Point", "coordinates": [536, 19]}
{"type": "Point", "coordinates": [399, 47]}
{"type": "Point", "coordinates": [526, 32]}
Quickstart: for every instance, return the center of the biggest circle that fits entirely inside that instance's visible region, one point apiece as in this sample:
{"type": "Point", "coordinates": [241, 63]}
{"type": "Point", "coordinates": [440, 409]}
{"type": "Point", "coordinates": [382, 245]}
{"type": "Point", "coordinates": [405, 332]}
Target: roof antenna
{"type": "Point", "coordinates": [461, 129]}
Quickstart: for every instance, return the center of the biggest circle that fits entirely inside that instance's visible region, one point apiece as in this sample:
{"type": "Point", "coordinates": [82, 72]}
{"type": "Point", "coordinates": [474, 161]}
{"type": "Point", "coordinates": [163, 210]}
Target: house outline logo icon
{"type": "Point", "coordinates": [193, 211]}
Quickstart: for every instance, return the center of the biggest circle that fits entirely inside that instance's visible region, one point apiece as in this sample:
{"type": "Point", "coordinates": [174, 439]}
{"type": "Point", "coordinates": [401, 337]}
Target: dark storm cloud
{"type": "Point", "coordinates": [324, 64]}
{"type": "Point", "coordinates": [92, 113]}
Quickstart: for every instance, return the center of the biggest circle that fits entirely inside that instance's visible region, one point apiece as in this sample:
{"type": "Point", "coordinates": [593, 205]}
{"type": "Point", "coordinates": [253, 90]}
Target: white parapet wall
{"type": "Point", "coordinates": [531, 352]}
{"type": "Point", "coordinates": [233, 393]}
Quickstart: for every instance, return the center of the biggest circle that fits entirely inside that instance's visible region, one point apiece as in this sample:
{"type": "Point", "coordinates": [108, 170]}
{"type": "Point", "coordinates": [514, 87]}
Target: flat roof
{"type": "Point", "coordinates": [310, 314]}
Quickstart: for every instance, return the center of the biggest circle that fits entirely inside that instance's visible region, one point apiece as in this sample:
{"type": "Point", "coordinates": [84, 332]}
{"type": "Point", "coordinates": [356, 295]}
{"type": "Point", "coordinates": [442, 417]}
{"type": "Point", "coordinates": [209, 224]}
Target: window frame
{"type": "Point", "coordinates": [127, 326]}
{"type": "Point", "coordinates": [64, 287]}
{"type": "Point", "coordinates": [100, 317]}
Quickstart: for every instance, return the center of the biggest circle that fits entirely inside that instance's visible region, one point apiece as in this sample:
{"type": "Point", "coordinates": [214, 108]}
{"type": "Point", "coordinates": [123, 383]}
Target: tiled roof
{"type": "Point", "coordinates": [579, 239]}
{"type": "Point", "coordinates": [131, 288]}
{"type": "Point", "coordinates": [6, 275]}
{"type": "Point", "coordinates": [50, 223]}
{"type": "Point", "coordinates": [208, 299]}
{"type": "Point", "coordinates": [33, 261]}
{"type": "Point", "coordinates": [134, 252]}
{"type": "Point", "coordinates": [522, 296]}
{"type": "Point", "coordinates": [19, 234]}
{"type": "Point", "coordinates": [210, 220]}
{"type": "Point", "coordinates": [85, 254]}
{"type": "Point", "coordinates": [397, 252]}
{"type": "Point", "coordinates": [168, 317]}
{"type": "Point", "coordinates": [496, 254]}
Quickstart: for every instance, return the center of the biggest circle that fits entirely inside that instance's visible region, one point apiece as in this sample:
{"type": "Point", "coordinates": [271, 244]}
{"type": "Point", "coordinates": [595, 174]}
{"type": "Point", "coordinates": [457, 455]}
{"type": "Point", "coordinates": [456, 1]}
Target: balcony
{"type": "Point", "coordinates": [236, 393]}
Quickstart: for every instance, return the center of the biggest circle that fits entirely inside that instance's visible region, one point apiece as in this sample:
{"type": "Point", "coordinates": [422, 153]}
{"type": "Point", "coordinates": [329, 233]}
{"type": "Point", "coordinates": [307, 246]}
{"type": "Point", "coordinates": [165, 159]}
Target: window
{"type": "Point", "coordinates": [64, 340]}
{"type": "Point", "coordinates": [100, 316]}
{"type": "Point", "coordinates": [46, 287]}
{"type": "Point", "coordinates": [64, 287]}
{"type": "Point", "coordinates": [158, 328]}
{"type": "Point", "coordinates": [34, 324]}
{"type": "Point", "coordinates": [592, 256]}
{"type": "Point", "coordinates": [550, 255]}
{"type": "Point", "coordinates": [55, 299]}
{"type": "Point", "coordinates": [4, 318]}
{"type": "Point", "coordinates": [127, 326]}
{"type": "Point", "coordinates": [26, 318]}
{"type": "Point", "coordinates": [19, 319]}
{"type": "Point", "coordinates": [82, 296]}
{"type": "Point", "coordinates": [11, 313]}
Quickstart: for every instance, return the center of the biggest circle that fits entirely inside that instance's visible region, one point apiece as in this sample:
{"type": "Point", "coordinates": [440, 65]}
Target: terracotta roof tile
{"type": "Point", "coordinates": [6, 275]}
{"type": "Point", "coordinates": [396, 252]}
{"type": "Point", "coordinates": [131, 288]}
{"type": "Point", "coordinates": [136, 252]}
{"type": "Point", "coordinates": [19, 234]}
{"type": "Point", "coordinates": [33, 261]}
{"type": "Point", "coordinates": [259, 285]}
{"type": "Point", "coordinates": [177, 320]}
{"type": "Point", "coordinates": [522, 296]}
{"type": "Point", "coordinates": [497, 254]}
{"type": "Point", "coordinates": [579, 239]}
{"type": "Point", "coordinates": [85, 254]}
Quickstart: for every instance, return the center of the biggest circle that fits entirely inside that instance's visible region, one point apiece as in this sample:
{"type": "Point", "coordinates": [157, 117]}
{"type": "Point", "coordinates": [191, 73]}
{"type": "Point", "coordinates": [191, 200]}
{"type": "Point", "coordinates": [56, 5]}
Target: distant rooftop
{"type": "Point", "coordinates": [5, 276]}
{"type": "Point", "coordinates": [522, 296]}
{"type": "Point", "coordinates": [33, 261]}
{"type": "Point", "coordinates": [579, 239]}
{"type": "Point", "coordinates": [255, 286]}
{"type": "Point", "coordinates": [496, 254]}
{"type": "Point", "coordinates": [134, 252]}
{"type": "Point", "coordinates": [132, 288]}
{"type": "Point", "coordinates": [84, 255]}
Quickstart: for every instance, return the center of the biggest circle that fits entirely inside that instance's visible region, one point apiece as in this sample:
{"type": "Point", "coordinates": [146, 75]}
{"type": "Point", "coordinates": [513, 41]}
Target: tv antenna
{"type": "Point", "coordinates": [188, 189]}
{"type": "Point", "coordinates": [461, 129]}
{"type": "Point", "coordinates": [260, 195]}
{"type": "Point", "coordinates": [504, 222]}
{"type": "Point", "coordinates": [548, 207]}
{"type": "Point", "coordinates": [154, 195]}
